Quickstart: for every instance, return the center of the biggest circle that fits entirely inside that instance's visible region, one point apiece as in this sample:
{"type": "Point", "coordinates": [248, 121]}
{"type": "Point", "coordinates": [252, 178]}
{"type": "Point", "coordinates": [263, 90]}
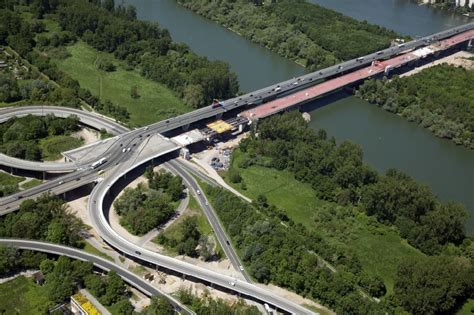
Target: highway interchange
{"type": "Point", "coordinates": [119, 164]}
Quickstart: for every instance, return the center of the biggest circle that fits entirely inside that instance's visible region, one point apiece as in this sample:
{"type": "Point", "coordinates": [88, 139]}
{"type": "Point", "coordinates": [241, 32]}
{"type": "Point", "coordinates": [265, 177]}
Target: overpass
{"type": "Point", "coordinates": [120, 164]}
{"type": "Point", "coordinates": [99, 262]}
{"type": "Point", "coordinates": [89, 119]}
{"type": "Point", "coordinates": [102, 226]}
{"type": "Point", "coordinates": [375, 68]}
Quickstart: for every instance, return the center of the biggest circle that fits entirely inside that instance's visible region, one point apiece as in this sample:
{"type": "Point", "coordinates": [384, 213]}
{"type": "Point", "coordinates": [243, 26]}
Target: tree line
{"type": "Point", "coordinates": [276, 250]}
{"type": "Point", "coordinates": [47, 218]}
{"type": "Point", "coordinates": [337, 174]}
{"type": "Point", "coordinates": [307, 33]}
{"type": "Point", "coordinates": [20, 33]}
{"type": "Point", "coordinates": [150, 48]}
{"type": "Point", "coordinates": [426, 98]}
{"type": "Point", "coordinates": [209, 305]}
{"type": "Point", "coordinates": [20, 136]}
{"type": "Point", "coordinates": [145, 208]}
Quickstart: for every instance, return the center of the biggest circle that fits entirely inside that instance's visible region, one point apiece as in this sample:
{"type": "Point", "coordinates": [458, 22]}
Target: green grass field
{"type": "Point", "coordinates": [22, 296]}
{"type": "Point", "coordinates": [94, 251]}
{"type": "Point", "coordinates": [52, 147]}
{"type": "Point", "coordinates": [31, 183]}
{"type": "Point", "coordinates": [155, 103]}
{"type": "Point", "coordinates": [7, 179]}
{"type": "Point", "coordinates": [378, 247]}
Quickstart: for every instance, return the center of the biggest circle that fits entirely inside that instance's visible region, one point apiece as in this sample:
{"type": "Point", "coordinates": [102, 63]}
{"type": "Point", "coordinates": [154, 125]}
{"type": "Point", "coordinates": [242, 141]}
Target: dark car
{"type": "Point", "coordinates": [137, 252]}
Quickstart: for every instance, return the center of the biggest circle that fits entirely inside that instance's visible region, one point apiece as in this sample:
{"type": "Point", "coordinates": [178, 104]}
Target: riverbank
{"type": "Point", "coordinates": [423, 97]}
{"type": "Point", "coordinates": [308, 34]}
{"type": "Point", "coordinates": [465, 7]}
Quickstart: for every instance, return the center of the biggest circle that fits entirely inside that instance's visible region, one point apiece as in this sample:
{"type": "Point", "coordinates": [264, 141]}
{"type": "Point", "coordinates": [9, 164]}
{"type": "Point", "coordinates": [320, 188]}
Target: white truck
{"type": "Point", "coordinates": [98, 163]}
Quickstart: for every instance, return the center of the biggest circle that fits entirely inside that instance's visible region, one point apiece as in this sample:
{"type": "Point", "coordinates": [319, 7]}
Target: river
{"type": "Point", "coordinates": [388, 141]}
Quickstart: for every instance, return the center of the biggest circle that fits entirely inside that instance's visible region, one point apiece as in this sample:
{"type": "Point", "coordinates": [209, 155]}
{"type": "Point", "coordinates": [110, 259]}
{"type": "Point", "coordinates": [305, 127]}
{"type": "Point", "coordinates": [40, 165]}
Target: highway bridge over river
{"type": "Point", "coordinates": [251, 106]}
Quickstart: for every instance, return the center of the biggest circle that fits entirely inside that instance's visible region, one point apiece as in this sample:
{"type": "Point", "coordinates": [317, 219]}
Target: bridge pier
{"type": "Point", "coordinates": [470, 44]}
{"type": "Point", "coordinates": [185, 127]}
{"type": "Point", "coordinates": [219, 116]}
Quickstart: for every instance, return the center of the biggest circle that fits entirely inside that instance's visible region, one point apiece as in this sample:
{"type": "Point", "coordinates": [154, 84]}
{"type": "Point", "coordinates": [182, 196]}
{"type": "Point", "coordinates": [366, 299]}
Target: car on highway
{"type": "Point", "coordinates": [124, 150]}
{"type": "Point", "coordinates": [137, 252]}
{"type": "Point", "coordinates": [228, 243]}
{"type": "Point", "coordinates": [241, 268]}
{"type": "Point", "coordinates": [198, 192]}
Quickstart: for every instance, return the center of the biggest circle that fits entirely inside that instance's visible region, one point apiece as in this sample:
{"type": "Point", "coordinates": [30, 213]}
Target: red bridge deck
{"type": "Point", "coordinates": [310, 93]}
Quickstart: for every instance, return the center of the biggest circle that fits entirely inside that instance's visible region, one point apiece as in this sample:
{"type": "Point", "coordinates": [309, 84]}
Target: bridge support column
{"type": "Point", "coordinates": [185, 127]}
{"type": "Point", "coordinates": [219, 116]}
{"type": "Point", "coordinates": [470, 44]}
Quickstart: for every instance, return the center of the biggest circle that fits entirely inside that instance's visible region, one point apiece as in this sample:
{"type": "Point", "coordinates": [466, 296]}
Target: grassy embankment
{"type": "Point", "coordinates": [155, 101]}
{"type": "Point", "coordinates": [17, 181]}
{"type": "Point", "coordinates": [94, 251]}
{"type": "Point", "coordinates": [52, 147]}
{"type": "Point", "coordinates": [379, 248]}
{"type": "Point", "coordinates": [7, 179]}
{"type": "Point", "coordinates": [22, 296]}
{"type": "Point", "coordinates": [31, 183]}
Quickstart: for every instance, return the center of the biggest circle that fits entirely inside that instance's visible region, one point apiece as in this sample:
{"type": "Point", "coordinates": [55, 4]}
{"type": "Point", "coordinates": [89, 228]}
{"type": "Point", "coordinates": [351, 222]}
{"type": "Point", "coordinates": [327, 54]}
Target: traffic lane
{"type": "Point", "coordinates": [88, 118]}
{"type": "Point", "coordinates": [113, 239]}
{"type": "Point", "coordinates": [214, 221]}
{"type": "Point", "coordinates": [99, 262]}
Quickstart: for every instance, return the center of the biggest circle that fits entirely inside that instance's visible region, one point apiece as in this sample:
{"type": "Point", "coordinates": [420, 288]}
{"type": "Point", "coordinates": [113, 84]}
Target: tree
{"type": "Point", "coordinates": [435, 285]}
{"type": "Point", "coordinates": [134, 92]}
{"type": "Point", "coordinates": [95, 284]}
{"type": "Point", "coordinates": [124, 307]}
{"type": "Point", "coordinates": [160, 306]}
{"type": "Point", "coordinates": [115, 289]}
{"type": "Point", "coordinates": [193, 96]}
{"type": "Point", "coordinates": [109, 5]}
{"type": "Point", "coordinates": [8, 259]}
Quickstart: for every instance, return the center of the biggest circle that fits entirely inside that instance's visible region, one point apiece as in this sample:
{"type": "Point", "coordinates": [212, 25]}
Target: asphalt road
{"type": "Point", "coordinates": [90, 119]}
{"type": "Point", "coordinates": [99, 262]}
{"type": "Point", "coordinates": [133, 138]}
{"type": "Point", "coordinates": [100, 224]}
{"type": "Point", "coordinates": [216, 225]}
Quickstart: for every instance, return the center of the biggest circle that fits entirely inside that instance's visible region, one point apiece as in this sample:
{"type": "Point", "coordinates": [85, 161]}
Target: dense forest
{"type": "Point", "coordinates": [337, 174]}
{"type": "Point", "coordinates": [309, 34]}
{"type": "Point", "coordinates": [112, 29]}
{"type": "Point", "coordinates": [20, 137]}
{"type": "Point", "coordinates": [34, 85]}
{"type": "Point", "coordinates": [447, 110]}
{"type": "Point", "coordinates": [149, 47]}
{"type": "Point", "coordinates": [145, 208]}
{"type": "Point", "coordinates": [277, 250]}
{"type": "Point", "coordinates": [47, 218]}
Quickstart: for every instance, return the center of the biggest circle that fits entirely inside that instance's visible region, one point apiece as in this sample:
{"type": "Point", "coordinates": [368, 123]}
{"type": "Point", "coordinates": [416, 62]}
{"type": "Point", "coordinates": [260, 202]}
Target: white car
{"type": "Point", "coordinates": [198, 192]}
{"type": "Point", "coordinates": [241, 268]}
